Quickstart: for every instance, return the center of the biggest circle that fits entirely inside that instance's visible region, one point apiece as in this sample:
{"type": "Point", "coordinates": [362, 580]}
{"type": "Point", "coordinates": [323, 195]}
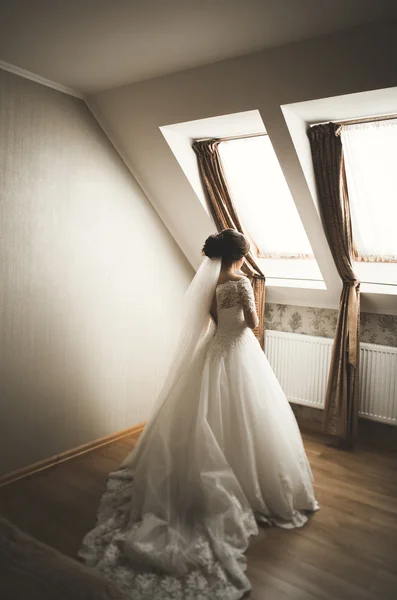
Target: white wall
{"type": "Point", "coordinates": [91, 280]}
{"type": "Point", "coordinates": [345, 63]}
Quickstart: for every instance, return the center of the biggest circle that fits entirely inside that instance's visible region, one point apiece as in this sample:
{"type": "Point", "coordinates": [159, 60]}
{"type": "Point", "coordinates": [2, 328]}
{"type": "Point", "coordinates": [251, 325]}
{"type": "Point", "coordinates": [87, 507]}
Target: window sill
{"type": "Point", "coordinates": [290, 269]}
{"type": "Point", "coordinates": [306, 284]}
{"type": "Point", "coordinates": [377, 274]}
{"type": "Point", "coordinates": [378, 288]}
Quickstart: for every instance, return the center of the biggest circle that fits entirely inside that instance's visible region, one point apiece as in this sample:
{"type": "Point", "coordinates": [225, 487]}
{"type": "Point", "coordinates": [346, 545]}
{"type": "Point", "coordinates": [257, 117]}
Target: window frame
{"type": "Point", "coordinates": [315, 278]}
{"type": "Point", "coordinates": [357, 257]}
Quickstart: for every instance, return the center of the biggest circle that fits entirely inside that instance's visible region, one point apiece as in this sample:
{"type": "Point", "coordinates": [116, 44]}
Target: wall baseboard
{"type": "Point", "coordinates": [374, 434]}
{"type": "Point", "coordinates": [53, 461]}
{"type": "Point", "coordinates": [382, 436]}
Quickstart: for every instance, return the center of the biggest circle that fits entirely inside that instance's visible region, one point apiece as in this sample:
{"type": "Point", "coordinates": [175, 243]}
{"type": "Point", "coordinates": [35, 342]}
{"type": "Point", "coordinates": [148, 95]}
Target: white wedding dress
{"type": "Point", "coordinates": [221, 452]}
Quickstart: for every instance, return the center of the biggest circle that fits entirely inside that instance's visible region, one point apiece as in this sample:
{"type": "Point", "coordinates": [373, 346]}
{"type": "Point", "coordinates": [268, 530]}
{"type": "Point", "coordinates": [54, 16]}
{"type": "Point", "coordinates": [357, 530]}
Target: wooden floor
{"type": "Point", "coordinates": [347, 551]}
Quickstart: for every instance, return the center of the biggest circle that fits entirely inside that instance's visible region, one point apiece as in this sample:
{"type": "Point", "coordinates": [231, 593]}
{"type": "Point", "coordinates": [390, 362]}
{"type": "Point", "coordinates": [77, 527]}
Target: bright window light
{"type": "Point", "coordinates": [262, 198]}
{"type": "Point", "coordinates": [370, 161]}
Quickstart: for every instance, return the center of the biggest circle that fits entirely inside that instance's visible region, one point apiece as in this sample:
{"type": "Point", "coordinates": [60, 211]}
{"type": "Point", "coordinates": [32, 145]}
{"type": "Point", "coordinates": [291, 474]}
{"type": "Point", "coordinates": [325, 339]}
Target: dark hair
{"type": "Point", "coordinates": [229, 245]}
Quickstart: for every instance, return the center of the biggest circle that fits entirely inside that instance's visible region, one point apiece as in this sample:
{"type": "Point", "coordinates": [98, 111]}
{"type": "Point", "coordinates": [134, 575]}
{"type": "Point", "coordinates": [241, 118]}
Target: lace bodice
{"type": "Point", "coordinates": [235, 301]}
{"type": "Point", "coordinates": [236, 293]}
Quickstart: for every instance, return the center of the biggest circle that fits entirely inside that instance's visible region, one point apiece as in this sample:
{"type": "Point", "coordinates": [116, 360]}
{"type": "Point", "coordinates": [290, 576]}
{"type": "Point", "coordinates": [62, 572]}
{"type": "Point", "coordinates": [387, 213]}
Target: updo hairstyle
{"type": "Point", "coordinates": [229, 245]}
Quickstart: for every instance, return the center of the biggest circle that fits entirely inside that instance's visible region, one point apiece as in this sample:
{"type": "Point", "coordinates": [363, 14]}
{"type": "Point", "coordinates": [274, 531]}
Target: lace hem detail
{"type": "Point", "coordinates": [141, 573]}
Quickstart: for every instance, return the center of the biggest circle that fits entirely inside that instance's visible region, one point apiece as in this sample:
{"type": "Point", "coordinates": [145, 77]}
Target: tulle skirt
{"type": "Point", "coordinates": [223, 453]}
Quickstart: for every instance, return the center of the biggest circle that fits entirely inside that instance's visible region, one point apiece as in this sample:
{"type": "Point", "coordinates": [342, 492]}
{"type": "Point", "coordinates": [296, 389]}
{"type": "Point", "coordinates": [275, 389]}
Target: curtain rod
{"type": "Point", "coordinates": [368, 120]}
{"type": "Point", "coordinates": [358, 121]}
{"type": "Point", "coordinates": [233, 137]}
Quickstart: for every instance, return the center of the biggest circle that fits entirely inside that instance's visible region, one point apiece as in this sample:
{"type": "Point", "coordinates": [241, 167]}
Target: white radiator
{"type": "Point", "coordinates": [301, 364]}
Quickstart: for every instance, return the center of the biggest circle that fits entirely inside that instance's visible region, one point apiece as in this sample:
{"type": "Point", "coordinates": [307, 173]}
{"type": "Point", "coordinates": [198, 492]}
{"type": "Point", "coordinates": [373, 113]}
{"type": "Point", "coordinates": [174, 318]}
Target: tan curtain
{"type": "Point", "coordinates": [225, 216]}
{"type": "Point", "coordinates": [341, 403]}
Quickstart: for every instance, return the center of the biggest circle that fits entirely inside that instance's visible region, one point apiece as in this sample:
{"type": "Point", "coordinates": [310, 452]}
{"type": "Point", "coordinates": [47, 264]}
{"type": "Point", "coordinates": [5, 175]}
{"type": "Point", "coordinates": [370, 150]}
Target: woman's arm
{"type": "Point", "coordinates": [248, 303]}
{"type": "Point", "coordinates": [214, 310]}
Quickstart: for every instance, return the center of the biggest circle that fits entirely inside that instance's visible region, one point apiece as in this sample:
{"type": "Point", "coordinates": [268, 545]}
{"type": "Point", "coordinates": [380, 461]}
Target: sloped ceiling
{"type": "Point", "coordinates": [93, 45]}
{"type": "Point", "coordinates": [325, 67]}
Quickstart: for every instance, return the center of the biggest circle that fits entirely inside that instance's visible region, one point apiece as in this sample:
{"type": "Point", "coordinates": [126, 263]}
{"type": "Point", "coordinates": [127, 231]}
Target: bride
{"type": "Point", "coordinates": [221, 452]}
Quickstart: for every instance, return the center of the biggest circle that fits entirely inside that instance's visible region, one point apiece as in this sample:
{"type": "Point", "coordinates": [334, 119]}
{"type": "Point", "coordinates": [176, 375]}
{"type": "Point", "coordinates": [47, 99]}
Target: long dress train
{"type": "Point", "coordinates": [221, 452]}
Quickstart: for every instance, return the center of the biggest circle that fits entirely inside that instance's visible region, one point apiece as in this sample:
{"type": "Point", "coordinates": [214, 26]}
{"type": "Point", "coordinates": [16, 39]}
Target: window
{"type": "Point", "coordinates": [268, 212]}
{"type": "Point", "coordinates": [263, 199]}
{"type": "Point", "coordinates": [370, 161]}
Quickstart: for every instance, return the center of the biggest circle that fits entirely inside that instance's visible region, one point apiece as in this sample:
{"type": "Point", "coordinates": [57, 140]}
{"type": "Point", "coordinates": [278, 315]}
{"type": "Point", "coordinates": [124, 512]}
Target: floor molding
{"type": "Point", "coordinates": [53, 461]}
{"type": "Point", "coordinates": [373, 434]}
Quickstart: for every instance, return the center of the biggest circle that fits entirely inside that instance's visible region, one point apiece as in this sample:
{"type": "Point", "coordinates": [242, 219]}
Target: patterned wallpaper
{"type": "Point", "coordinates": [375, 329]}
